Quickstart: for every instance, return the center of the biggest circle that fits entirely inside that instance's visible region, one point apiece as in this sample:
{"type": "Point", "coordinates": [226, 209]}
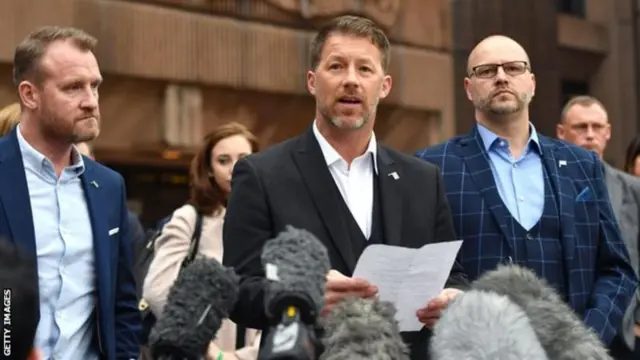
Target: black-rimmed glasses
{"type": "Point", "coordinates": [511, 68]}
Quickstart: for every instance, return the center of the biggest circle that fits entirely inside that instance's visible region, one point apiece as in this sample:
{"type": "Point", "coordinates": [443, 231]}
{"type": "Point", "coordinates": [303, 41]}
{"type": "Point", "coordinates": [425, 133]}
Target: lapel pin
{"type": "Point", "coordinates": [562, 163]}
{"type": "Point", "coordinates": [394, 175]}
{"type": "Point", "coordinates": [95, 184]}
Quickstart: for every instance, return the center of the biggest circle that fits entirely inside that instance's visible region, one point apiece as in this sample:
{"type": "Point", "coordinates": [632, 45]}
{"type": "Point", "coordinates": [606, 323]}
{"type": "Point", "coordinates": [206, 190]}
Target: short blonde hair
{"type": "Point", "coordinates": [9, 117]}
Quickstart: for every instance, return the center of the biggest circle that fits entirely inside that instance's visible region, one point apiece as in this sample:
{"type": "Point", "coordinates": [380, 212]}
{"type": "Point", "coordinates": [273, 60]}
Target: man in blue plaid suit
{"type": "Point", "coordinates": [518, 196]}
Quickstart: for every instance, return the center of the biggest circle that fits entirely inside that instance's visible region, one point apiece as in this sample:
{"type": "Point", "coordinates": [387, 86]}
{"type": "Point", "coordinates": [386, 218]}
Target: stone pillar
{"type": "Point", "coordinates": [533, 24]}
{"type": "Point", "coordinates": [614, 83]}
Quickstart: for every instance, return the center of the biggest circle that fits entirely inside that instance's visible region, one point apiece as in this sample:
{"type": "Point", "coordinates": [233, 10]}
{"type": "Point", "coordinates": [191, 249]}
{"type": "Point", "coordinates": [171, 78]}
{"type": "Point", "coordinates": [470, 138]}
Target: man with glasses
{"type": "Point", "coordinates": [520, 197]}
{"type": "Point", "coordinates": [584, 122]}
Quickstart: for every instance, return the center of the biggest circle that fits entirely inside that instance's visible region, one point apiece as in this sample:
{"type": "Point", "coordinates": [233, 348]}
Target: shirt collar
{"type": "Point", "coordinates": [36, 160]}
{"type": "Point", "coordinates": [331, 156]}
{"type": "Point", "coordinates": [489, 139]}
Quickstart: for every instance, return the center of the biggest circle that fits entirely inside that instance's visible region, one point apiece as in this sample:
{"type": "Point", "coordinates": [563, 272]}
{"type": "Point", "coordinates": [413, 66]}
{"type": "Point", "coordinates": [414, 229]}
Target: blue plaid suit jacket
{"type": "Point", "coordinates": [600, 280]}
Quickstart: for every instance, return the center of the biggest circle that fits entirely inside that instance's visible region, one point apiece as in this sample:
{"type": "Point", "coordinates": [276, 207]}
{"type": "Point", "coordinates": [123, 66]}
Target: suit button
{"type": "Point", "coordinates": [529, 237]}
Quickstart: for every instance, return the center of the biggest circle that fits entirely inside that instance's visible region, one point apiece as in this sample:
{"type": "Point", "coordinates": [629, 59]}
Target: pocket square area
{"type": "Point", "coordinates": [114, 231]}
{"type": "Point", "coordinates": [585, 195]}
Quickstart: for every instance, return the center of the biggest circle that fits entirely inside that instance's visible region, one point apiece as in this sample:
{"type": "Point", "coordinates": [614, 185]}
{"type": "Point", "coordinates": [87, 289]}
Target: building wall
{"type": "Point", "coordinates": [175, 69]}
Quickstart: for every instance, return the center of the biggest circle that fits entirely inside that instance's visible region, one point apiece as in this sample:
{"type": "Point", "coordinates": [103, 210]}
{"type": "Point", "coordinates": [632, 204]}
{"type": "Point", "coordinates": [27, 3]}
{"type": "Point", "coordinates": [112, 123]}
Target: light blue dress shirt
{"type": "Point", "coordinates": [520, 181]}
{"type": "Point", "coordinates": [66, 269]}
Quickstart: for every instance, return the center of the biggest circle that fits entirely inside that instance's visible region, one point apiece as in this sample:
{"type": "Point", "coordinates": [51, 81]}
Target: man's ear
{"type": "Point", "coordinates": [29, 95]}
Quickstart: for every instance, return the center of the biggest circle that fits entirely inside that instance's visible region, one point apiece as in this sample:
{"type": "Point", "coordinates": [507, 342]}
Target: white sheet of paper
{"type": "Point", "coordinates": [406, 277]}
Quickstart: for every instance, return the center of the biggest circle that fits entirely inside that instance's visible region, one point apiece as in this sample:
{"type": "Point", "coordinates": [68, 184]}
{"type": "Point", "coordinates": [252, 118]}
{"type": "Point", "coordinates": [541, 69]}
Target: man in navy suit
{"type": "Point", "coordinates": [65, 210]}
{"type": "Point", "coordinates": [520, 197]}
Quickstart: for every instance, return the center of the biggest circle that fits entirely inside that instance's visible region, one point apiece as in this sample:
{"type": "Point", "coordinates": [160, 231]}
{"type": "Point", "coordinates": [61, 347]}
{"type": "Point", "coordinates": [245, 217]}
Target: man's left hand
{"type": "Point", "coordinates": [430, 314]}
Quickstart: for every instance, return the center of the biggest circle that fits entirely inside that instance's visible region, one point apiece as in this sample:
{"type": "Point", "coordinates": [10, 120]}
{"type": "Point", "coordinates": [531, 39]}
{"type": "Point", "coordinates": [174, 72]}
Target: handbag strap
{"type": "Point", "coordinates": [195, 241]}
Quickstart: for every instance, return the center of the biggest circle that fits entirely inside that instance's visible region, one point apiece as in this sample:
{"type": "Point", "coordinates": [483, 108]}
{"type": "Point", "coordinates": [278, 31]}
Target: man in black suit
{"type": "Point", "coordinates": [337, 182]}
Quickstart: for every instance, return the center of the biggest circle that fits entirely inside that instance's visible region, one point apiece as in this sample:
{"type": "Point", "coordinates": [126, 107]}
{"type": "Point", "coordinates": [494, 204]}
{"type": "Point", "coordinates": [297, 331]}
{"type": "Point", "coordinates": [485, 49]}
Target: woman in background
{"type": "Point", "coordinates": [210, 184]}
{"type": "Point", "coordinates": [9, 117]}
{"type": "Point", "coordinates": [632, 161]}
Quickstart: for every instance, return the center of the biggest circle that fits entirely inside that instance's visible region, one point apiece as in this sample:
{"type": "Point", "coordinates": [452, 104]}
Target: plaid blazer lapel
{"type": "Point", "coordinates": [477, 165]}
{"type": "Point", "coordinates": [556, 165]}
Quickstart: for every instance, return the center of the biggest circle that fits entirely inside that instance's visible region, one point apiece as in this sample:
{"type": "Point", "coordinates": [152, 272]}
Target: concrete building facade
{"type": "Point", "coordinates": [175, 69]}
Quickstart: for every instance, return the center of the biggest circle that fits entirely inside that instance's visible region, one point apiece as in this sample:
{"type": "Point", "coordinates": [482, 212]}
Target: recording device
{"type": "Point", "coordinates": [201, 297]}
{"type": "Point", "coordinates": [359, 329]}
{"type": "Point", "coordinates": [296, 265]}
{"type": "Point", "coordinates": [561, 333]}
{"type": "Point", "coordinates": [480, 325]}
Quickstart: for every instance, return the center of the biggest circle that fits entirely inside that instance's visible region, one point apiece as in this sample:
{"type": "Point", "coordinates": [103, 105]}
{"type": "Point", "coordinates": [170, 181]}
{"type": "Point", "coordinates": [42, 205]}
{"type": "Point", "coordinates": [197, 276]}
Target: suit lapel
{"type": "Point", "coordinates": [95, 200]}
{"type": "Point", "coordinates": [562, 186]}
{"type": "Point", "coordinates": [616, 187]}
{"type": "Point", "coordinates": [477, 162]}
{"type": "Point", "coordinates": [321, 186]}
{"type": "Point", "coordinates": [390, 196]}
{"type": "Point", "coordinates": [15, 194]}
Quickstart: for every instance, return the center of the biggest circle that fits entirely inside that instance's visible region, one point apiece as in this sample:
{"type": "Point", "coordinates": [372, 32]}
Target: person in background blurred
{"type": "Point", "coordinates": [632, 161]}
{"type": "Point", "coordinates": [9, 117]}
{"type": "Point", "coordinates": [18, 319]}
{"type": "Point", "coordinates": [210, 184]}
{"type": "Point", "coordinates": [584, 122]}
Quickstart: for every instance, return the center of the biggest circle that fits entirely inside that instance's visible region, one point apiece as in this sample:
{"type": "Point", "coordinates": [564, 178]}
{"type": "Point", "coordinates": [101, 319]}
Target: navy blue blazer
{"type": "Point", "coordinates": [119, 322]}
{"type": "Point", "coordinates": [600, 279]}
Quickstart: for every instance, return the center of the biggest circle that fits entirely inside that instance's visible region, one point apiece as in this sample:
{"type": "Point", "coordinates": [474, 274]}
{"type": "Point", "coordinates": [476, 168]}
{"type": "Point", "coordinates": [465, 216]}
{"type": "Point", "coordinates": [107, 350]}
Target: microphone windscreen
{"type": "Point", "coordinates": [562, 334]}
{"type": "Point", "coordinates": [359, 329]}
{"type": "Point", "coordinates": [298, 263]}
{"type": "Point", "coordinates": [199, 300]}
{"type": "Point", "coordinates": [480, 325]}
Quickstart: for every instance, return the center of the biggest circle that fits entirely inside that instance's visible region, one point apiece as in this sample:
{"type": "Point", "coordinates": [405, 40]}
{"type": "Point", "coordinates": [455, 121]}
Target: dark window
{"type": "Point", "coordinates": [573, 88]}
{"type": "Point", "coordinates": [571, 7]}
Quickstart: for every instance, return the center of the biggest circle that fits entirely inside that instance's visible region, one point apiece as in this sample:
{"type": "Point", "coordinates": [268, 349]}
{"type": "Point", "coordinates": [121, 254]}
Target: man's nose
{"type": "Point", "coordinates": [590, 133]}
{"type": "Point", "coordinates": [351, 76]}
{"type": "Point", "coordinates": [91, 100]}
{"type": "Point", "coordinates": [501, 76]}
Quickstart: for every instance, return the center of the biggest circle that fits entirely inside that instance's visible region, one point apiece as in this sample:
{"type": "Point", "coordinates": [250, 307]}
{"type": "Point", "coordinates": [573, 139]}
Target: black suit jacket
{"type": "Point", "coordinates": [290, 184]}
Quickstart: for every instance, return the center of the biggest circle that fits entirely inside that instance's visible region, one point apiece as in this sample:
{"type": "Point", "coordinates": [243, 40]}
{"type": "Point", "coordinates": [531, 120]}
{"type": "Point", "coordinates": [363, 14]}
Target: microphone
{"type": "Point", "coordinates": [562, 334]}
{"type": "Point", "coordinates": [483, 325]}
{"type": "Point", "coordinates": [359, 329]}
{"type": "Point", "coordinates": [200, 298]}
{"type": "Point", "coordinates": [296, 264]}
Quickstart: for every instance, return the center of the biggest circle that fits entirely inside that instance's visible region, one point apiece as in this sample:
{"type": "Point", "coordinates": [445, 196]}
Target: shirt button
{"type": "Point", "coordinates": [521, 198]}
{"type": "Point", "coordinates": [515, 165]}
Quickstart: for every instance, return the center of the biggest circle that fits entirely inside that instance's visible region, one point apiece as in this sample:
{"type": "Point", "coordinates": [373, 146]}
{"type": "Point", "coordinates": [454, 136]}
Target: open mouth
{"type": "Point", "coordinates": [349, 100]}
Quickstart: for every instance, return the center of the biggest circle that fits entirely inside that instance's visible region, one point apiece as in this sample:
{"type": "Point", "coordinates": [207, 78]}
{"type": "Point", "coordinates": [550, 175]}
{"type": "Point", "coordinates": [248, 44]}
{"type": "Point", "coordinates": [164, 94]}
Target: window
{"type": "Point", "coordinates": [571, 7]}
{"type": "Point", "coordinates": [573, 88]}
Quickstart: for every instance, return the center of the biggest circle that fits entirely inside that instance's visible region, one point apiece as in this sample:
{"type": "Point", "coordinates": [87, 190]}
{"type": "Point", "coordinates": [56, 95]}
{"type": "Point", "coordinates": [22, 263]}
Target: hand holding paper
{"type": "Point", "coordinates": [431, 313]}
{"type": "Point", "coordinates": [339, 286]}
{"type": "Point", "coordinates": [408, 278]}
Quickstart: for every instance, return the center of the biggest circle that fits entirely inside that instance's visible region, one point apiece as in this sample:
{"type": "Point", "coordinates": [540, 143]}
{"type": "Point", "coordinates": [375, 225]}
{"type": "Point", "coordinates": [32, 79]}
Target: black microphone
{"type": "Point", "coordinates": [200, 298]}
{"type": "Point", "coordinates": [562, 334]}
{"type": "Point", "coordinates": [482, 325]}
{"type": "Point", "coordinates": [296, 264]}
{"type": "Point", "coordinates": [359, 329]}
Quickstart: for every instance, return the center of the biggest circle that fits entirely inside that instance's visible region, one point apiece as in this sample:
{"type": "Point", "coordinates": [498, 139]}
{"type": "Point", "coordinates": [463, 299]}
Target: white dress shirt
{"type": "Point", "coordinates": [66, 264]}
{"type": "Point", "coordinates": [356, 182]}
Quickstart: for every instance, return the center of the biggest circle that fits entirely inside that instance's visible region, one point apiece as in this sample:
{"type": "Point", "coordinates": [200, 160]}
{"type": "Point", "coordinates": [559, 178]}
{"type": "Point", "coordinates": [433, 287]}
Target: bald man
{"type": "Point", "coordinates": [585, 122]}
{"type": "Point", "coordinates": [520, 197]}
